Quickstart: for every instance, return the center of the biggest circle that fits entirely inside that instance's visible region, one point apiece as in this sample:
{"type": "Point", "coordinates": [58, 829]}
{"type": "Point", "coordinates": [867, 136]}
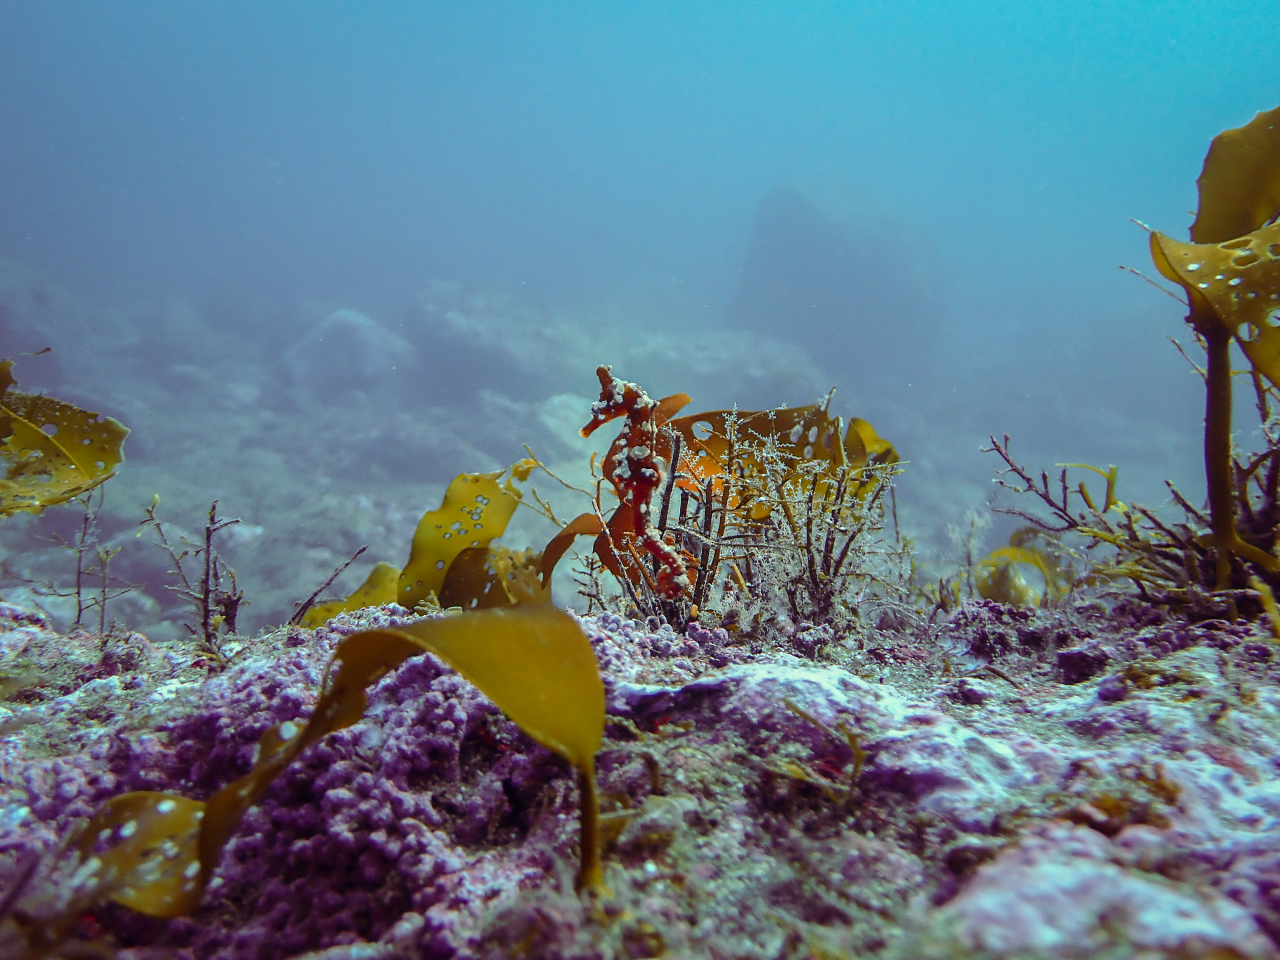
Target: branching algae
{"type": "Point", "coordinates": [697, 496]}
{"type": "Point", "coordinates": [754, 489]}
{"type": "Point", "coordinates": [1207, 564]}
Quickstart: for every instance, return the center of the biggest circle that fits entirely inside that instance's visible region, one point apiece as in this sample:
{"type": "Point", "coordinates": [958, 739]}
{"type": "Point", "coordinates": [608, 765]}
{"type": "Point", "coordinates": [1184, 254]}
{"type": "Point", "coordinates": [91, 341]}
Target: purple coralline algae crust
{"type": "Point", "coordinates": [1057, 892]}
{"type": "Point", "coordinates": [1008, 783]}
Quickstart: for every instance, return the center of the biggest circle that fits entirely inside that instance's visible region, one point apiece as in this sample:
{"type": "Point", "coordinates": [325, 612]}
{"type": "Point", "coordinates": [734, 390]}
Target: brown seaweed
{"type": "Point", "coordinates": [53, 451]}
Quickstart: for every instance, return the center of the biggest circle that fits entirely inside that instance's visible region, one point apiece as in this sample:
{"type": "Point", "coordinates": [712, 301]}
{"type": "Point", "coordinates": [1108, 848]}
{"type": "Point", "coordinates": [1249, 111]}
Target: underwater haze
{"type": "Point", "coordinates": [323, 256]}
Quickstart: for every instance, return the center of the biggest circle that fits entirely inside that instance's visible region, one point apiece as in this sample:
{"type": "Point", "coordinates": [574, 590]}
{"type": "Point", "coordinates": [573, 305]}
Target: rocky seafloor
{"type": "Point", "coordinates": [1091, 781]}
{"type": "Point", "coordinates": [323, 428]}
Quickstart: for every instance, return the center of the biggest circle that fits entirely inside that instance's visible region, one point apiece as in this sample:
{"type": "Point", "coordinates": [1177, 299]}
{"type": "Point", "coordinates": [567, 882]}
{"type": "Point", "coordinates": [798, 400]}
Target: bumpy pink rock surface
{"type": "Point", "coordinates": [1077, 783]}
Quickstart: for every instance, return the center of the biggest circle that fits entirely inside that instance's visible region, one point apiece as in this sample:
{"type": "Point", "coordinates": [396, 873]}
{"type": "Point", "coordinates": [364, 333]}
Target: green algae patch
{"type": "Point", "coordinates": [51, 451]}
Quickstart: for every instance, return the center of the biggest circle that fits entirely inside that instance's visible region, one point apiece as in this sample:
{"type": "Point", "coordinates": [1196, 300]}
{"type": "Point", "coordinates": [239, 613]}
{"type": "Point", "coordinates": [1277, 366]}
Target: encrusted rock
{"type": "Point", "coordinates": [754, 803]}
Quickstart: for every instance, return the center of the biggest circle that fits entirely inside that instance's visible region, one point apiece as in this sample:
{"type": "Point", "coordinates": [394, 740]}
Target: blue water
{"type": "Point", "coordinates": [346, 149]}
{"type": "Point", "coordinates": [974, 164]}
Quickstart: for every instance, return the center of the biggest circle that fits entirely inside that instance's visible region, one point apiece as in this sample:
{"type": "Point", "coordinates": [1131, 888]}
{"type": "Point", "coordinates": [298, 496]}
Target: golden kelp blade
{"type": "Point", "coordinates": [801, 433]}
{"type": "Point", "coordinates": [360, 660]}
{"type": "Point", "coordinates": [149, 861]}
{"type": "Point", "coordinates": [1231, 267]}
{"type": "Point", "coordinates": [538, 667]}
{"type": "Point", "coordinates": [585, 524]}
{"type": "Point", "coordinates": [863, 447]}
{"type": "Point", "coordinates": [378, 588]}
{"type": "Point", "coordinates": [187, 831]}
{"type": "Point", "coordinates": [1240, 182]}
{"type": "Point", "coordinates": [536, 664]}
{"type": "Point", "coordinates": [475, 510]}
{"type": "Point", "coordinates": [53, 451]}
{"type": "Point", "coordinates": [878, 449]}
{"type": "Point", "coordinates": [999, 579]}
{"type": "Point", "coordinates": [1237, 283]}
{"type": "Point", "coordinates": [485, 578]}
